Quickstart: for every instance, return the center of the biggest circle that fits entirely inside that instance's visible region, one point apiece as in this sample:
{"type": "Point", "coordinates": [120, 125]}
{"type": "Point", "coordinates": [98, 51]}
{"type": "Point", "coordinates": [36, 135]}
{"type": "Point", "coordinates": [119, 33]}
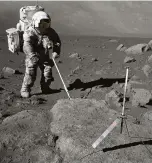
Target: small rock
{"type": "Point", "coordinates": [59, 61]}
{"type": "Point", "coordinates": [148, 115]}
{"type": "Point", "coordinates": [9, 70]}
{"type": "Point", "coordinates": [94, 59]}
{"type": "Point", "coordinates": [50, 140]}
{"type": "Point", "coordinates": [147, 70]}
{"type": "Point", "coordinates": [120, 46]}
{"type": "Point", "coordinates": [150, 59]}
{"type": "Point", "coordinates": [75, 70]}
{"type": "Point", "coordinates": [135, 78]}
{"type": "Point", "coordinates": [74, 55]}
{"type": "Point", "coordinates": [37, 101]}
{"type": "Point", "coordinates": [80, 58]}
{"type": "Point", "coordinates": [11, 61]}
{"type": "Point", "coordinates": [100, 72]}
{"type": "Point", "coordinates": [140, 97]}
{"type": "Point", "coordinates": [70, 75]}
{"type": "Point", "coordinates": [1, 89]}
{"type": "Point", "coordinates": [1, 115]}
{"type": "Point", "coordinates": [112, 40]}
{"type": "Point", "coordinates": [115, 97]}
{"type": "Point", "coordinates": [128, 89]}
{"type": "Point", "coordinates": [123, 49]}
{"type": "Point", "coordinates": [129, 60]}
{"type": "Point", "coordinates": [109, 62]}
{"type": "Point", "coordinates": [2, 76]}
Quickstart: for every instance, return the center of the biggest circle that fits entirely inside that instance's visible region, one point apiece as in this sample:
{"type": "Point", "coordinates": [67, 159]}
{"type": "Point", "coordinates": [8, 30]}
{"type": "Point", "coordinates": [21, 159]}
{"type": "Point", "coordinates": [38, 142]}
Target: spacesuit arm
{"type": "Point", "coordinates": [57, 45]}
{"type": "Point", "coordinates": [56, 41]}
{"type": "Point", "coordinates": [28, 46]}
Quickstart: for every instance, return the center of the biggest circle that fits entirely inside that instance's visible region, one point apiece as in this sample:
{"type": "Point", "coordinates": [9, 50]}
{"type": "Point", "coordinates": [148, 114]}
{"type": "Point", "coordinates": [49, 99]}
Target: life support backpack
{"type": "Point", "coordinates": [15, 35]}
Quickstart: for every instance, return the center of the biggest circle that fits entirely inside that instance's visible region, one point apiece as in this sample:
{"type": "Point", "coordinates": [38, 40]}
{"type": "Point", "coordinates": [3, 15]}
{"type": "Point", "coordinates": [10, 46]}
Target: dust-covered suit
{"type": "Point", "coordinates": [37, 55]}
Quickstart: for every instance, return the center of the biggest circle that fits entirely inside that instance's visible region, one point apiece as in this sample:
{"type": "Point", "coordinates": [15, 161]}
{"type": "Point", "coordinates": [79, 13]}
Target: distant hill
{"type": "Point", "coordinates": [88, 18]}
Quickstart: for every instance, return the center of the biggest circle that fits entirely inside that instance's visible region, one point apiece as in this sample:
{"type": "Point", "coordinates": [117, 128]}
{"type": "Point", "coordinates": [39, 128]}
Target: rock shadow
{"type": "Point", "coordinates": [107, 82]}
{"type": "Point", "coordinates": [148, 142]}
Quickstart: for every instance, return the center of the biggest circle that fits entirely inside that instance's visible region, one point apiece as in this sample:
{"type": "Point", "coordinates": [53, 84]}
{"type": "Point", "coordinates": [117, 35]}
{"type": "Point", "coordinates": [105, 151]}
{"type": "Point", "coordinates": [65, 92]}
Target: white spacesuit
{"type": "Point", "coordinates": [38, 39]}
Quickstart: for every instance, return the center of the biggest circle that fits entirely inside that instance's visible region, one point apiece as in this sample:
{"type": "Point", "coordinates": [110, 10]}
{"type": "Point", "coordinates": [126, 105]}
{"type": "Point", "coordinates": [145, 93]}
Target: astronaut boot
{"type": "Point", "coordinates": [45, 86]}
{"type": "Point", "coordinates": [46, 89]}
{"type": "Point", "coordinates": [25, 93]}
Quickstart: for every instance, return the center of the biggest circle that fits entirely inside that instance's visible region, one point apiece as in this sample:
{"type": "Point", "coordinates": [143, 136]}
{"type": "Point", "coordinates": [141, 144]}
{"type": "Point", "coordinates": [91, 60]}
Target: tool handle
{"type": "Point", "coordinates": [109, 129]}
{"type": "Point", "coordinates": [61, 78]}
{"type": "Point", "coordinates": [125, 88]}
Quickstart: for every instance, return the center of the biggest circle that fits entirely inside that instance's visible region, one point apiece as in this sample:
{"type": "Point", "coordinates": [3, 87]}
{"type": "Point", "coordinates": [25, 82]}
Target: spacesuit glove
{"type": "Point", "coordinates": [55, 55]}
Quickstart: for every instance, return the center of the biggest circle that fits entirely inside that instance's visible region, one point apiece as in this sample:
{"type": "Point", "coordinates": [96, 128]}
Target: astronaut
{"type": "Point", "coordinates": [38, 39]}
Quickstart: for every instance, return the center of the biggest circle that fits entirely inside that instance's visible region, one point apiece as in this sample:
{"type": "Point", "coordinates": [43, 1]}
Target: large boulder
{"type": "Point", "coordinates": [147, 69]}
{"type": "Point", "coordinates": [140, 97]}
{"type": "Point", "coordinates": [149, 46]}
{"type": "Point", "coordinates": [24, 138]}
{"type": "Point", "coordinates": [136, 49]}
{"type": "Point", "coordinates": [78, 123]}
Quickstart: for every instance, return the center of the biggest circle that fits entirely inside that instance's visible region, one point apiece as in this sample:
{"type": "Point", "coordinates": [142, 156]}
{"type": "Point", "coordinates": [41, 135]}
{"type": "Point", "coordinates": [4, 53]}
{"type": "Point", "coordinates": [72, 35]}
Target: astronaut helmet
{"type": "Point", "coordinates": [41, 20]}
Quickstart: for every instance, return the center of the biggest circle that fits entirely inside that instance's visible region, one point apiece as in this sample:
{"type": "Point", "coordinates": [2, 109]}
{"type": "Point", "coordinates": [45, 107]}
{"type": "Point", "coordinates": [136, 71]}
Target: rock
{"type": "Point", "coordinates": [120, 47]}
{"type": "Point", "coordinates": [115, 97]}
{"type": "Point", "coordinates": [10, 61]}
{"type": "Point", "coordinates": [147, 69]}
{"type": "Point", "coordinates": [36, 100]}
{"type": "Point", "coordinates": [140, 97]}
{"type": "Point", "coordinates": [59, 61]}
{"type": "Point", "coordinates": [1, 115]}
{"type": "Point", "coordinates": [32, 101]}
{"type": "Point", "coordinates": [75, 121]}
{"type": "Point", "coordinates": [148, 115]}
{"type": "Point", "coordinates": [113, 40]}
{"type": "Point", "coordinates": [128, 89]}
{"type": "Point", "coordinates": [135, 78]}
{"type": "Point", "coordinates": [75, 70]}
{"type": "Point", "coordinates": [123, 49]}
{"type": "Point", "coordinates": [80, 122]}
{"type": "Point", "coordinates": [136, 49]}
{"type": "Point", "coordinates": [74, 55]}
{"type": "Point", "coordinates": [10, 71]}
{"type": "Point", "coordinates": [44, 155]}
{"type": "Point", "coordinates": [129, 60]}
{"type": "Point", "coordinates": [100, 72]}
{"type": "Point", "coordinates": [150, 59]}
{"type": "Point", "coordinates": [94, 59]}
{"type": "Point", "coordinates": [24, 137]}
{"type": "Point", "coordinates": [149, 46]}
{"type": "Point", "coordinates": [1, 89]}
{"type": "Point", "coordinates": [109, 62]}
{"type": "Point", "coordinates": [2, 75]}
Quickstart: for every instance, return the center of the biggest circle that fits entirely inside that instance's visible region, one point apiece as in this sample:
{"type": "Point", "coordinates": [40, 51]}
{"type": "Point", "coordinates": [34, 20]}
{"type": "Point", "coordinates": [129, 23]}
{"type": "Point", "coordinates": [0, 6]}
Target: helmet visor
{"type": "Point", "coordinates": [45, 23]}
